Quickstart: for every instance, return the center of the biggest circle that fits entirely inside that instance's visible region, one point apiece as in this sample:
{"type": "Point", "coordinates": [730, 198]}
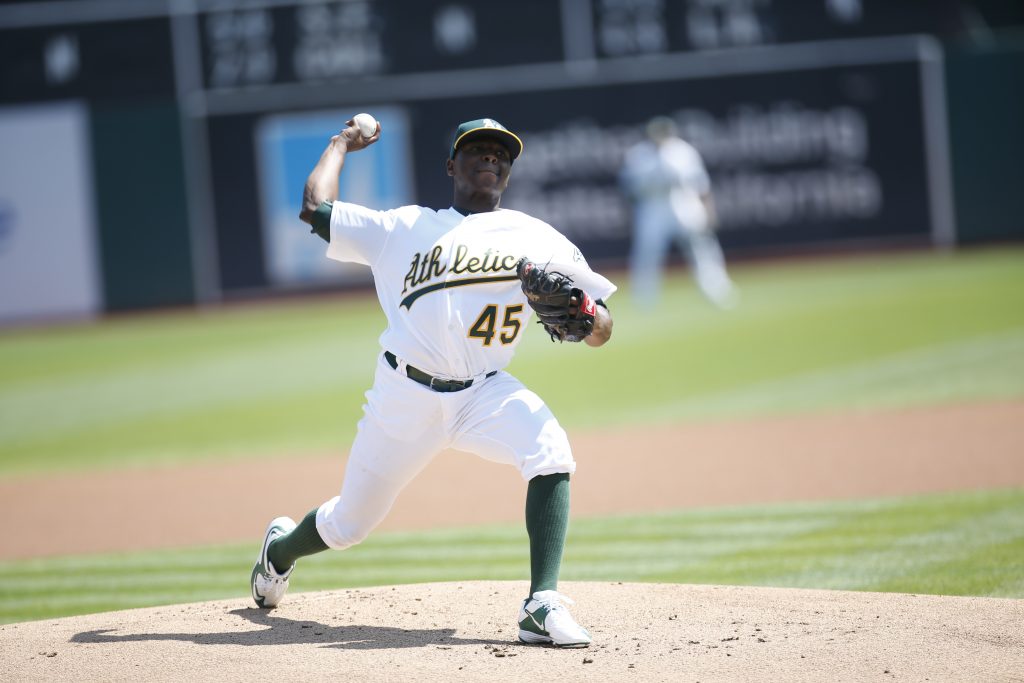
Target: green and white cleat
{"type": "Point", "coordinates": [544, 619]}
{"type": "Point", "coordinates": [268, 586]}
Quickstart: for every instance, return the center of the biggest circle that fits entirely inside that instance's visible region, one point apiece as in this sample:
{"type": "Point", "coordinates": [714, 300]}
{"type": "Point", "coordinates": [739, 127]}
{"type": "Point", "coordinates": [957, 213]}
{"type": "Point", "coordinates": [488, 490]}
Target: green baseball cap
{"type": "Point", "coordinates": [486, 128]}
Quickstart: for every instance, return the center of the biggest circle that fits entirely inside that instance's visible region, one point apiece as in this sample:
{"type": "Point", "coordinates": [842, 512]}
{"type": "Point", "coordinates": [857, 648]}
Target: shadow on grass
{"type": "Point", "coordinates": [281, 631]}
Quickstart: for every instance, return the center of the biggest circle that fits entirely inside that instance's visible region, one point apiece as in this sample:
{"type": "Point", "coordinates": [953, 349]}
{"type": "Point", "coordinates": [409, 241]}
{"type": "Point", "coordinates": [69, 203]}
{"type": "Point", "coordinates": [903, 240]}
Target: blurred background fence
{"type": "Point", "coordinates": [152, 153]}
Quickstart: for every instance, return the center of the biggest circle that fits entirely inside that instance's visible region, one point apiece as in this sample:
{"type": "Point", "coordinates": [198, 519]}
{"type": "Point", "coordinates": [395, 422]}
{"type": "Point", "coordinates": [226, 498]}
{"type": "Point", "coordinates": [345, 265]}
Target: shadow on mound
{"type": "Point", "coordinates": [281, 631]}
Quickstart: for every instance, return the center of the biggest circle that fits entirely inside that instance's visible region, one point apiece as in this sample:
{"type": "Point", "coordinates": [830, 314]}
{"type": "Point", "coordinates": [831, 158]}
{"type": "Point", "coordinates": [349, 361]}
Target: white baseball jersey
{"type": "Point", "coordinates": [455, 309]}
{"type": "Point", "coordinates": [447, 282]}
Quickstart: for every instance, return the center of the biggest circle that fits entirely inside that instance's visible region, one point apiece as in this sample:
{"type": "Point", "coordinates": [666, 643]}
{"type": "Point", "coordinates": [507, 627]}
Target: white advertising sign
{"type": "Point", "coordinates": [48, 253]}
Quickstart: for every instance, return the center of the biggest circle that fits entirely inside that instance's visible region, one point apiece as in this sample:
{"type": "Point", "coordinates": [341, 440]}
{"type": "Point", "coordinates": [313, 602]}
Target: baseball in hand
{"type": "Point", "coordinates": [366, 124]}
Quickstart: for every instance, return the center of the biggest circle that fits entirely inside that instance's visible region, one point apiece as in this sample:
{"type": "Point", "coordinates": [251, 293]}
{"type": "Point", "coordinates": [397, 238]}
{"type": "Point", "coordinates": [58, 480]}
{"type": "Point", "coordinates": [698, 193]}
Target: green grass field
{"type": "Point", "coordinates": [839, 335]}
{"type": "Point", "coordinates": [861, 333]}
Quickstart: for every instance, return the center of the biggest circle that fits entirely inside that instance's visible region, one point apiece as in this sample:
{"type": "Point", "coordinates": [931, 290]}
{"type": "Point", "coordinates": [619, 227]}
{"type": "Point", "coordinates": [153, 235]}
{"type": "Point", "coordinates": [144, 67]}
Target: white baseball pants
{"type": "Point", "coordinates": [406, 424]}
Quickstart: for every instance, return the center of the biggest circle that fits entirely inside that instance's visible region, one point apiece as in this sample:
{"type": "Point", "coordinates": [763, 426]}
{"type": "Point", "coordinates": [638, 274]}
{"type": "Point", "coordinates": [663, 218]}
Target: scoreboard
{"type": "Point", "coordinates": [138, 48]}
{"type": "Point", "coordinates": [340, 41]}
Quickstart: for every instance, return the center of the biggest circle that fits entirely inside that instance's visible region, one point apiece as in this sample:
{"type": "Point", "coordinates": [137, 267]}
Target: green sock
{"type": "Point", "coordinates": [547, 521]}
{"type": "Point", "coordinates": [303, 540]}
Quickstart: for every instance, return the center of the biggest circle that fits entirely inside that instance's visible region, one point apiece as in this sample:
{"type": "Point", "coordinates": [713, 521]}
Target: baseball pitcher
{"type": "Point", "coordinates": [458, 287]}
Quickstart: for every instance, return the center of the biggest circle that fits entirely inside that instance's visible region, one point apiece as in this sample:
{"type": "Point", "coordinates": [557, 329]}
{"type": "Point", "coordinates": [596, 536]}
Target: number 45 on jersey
{"type": "Point", "coordinates": [486, 326]}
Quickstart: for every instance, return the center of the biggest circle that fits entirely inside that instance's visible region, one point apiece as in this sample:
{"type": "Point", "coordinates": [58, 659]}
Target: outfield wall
{"type": "Point", "coordinates": [871, 125]}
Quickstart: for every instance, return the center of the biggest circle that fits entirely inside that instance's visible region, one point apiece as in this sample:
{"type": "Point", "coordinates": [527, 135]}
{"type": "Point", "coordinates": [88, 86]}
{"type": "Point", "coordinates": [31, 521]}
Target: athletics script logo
{"type": "Point", "coordinates": [427, 268]}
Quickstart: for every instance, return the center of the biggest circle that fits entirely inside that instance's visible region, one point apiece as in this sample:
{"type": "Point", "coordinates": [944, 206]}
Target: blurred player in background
{"type": "Point", "coordinates": [665, 178]}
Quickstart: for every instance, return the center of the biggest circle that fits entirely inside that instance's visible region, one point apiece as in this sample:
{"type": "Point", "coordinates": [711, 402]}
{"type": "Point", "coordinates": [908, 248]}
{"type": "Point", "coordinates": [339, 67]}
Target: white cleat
{"type": "Point", "coordinates": [545, 619]}
{"type": "Point", "coordinates": [268, 587]}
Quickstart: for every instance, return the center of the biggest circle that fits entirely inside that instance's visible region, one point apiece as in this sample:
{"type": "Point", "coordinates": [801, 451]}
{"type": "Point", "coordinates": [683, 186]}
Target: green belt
{"type": "Point", "coordinates": [435, 383]}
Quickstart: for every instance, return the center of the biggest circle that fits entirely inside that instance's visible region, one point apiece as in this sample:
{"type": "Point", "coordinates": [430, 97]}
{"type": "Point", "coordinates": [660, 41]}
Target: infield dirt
{"type": "Point", "coordinates": [463, 632]}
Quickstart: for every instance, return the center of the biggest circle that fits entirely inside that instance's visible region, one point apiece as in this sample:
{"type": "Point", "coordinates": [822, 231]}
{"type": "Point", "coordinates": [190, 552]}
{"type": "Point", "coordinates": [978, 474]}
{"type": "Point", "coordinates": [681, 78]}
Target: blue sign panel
{"type": "Point", "coordinates": [288, 147]}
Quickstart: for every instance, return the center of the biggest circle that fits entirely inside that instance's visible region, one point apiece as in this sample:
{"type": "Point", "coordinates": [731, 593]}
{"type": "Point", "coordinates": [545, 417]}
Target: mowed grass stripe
{"type": "Point", "coordinates": [25, 609]}
{"type": "Point", "coordinates": [912, 555]}
{"type": "Point", "coordinates": [101, 575]}
{"type": "Point", "coordinates": [964, 544]}
{"type": "Point", "coordinates": [1000, 576]}
{"type": "Point", "coordinates": [79, 352]}
{"type": "Point", "coordinates": [987, 367]}
{"type": "Point", "coordinates": [198, 433]}
{"type": "Point", "coordinates": [201, 384]}
{"type": "Point", "coordinates": [867, 549]}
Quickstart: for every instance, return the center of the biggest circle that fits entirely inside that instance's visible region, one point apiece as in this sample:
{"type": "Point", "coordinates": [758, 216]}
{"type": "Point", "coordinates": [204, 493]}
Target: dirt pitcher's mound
{"type": "Point", "coordinates": [465, 632]}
